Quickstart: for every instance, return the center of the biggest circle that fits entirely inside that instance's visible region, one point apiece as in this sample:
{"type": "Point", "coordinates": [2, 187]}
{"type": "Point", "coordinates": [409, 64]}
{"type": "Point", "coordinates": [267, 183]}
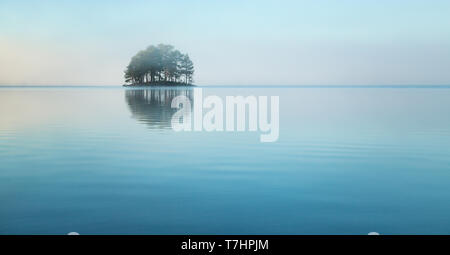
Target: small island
{"type": "Point", "coordinates": [160, 65]}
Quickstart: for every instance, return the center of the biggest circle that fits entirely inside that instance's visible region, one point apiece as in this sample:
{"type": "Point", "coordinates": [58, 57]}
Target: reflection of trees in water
{"type": "Point", "coordinates": [153, 106]}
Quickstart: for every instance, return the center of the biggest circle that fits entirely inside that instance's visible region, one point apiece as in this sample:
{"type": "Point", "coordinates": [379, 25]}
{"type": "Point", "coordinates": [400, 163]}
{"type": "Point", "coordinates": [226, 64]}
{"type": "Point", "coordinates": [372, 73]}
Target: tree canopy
{"type": "Point", "coordinates": [161, 64]}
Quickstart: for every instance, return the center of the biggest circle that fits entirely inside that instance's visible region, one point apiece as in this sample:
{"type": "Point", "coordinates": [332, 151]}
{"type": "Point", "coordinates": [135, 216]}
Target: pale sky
{"type": "Point", "coordinates": [347, 42]}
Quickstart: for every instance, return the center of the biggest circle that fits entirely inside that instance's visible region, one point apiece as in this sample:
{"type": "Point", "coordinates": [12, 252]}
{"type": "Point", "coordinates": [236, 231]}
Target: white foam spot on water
{"type": "Point", "coordinates": [73, 234]}
{"type": "Point", "coordinates": [373, 234]}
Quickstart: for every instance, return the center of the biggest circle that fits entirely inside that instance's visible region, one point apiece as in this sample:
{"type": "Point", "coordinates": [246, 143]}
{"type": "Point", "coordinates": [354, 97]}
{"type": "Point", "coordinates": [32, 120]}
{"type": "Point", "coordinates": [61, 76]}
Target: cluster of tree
{"type": "Point", "coordinates": [161, 64]}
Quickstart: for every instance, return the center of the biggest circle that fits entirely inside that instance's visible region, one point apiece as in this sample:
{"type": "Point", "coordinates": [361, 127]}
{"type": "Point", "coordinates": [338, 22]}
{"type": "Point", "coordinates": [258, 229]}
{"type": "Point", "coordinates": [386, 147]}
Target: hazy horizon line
{"type": "Point", "coordinates": [238, 86]}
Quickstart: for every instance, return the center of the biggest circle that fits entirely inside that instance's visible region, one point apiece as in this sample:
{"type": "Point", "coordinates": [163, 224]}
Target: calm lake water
{"type": "Point", "coordinates": [106, 161]}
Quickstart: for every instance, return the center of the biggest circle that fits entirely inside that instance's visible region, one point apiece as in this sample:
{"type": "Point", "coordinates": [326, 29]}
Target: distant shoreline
{"type": "Point", "coordinates": [160, 84]}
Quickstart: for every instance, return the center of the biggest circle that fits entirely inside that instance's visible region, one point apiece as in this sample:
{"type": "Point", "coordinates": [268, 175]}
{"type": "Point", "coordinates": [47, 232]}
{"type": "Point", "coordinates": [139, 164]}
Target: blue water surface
{"type": "Point", "coordinates": [349, 160]}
